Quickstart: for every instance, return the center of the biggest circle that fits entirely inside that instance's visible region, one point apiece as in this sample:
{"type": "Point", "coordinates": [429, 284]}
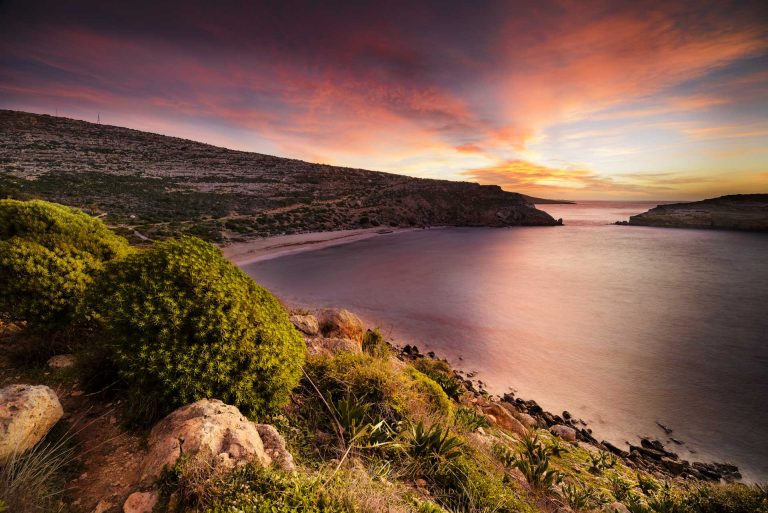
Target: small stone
{"type": "Point", "coordinates": [61, 361]}
{"type": "Point", "coordinates": [140, 502]}
{"type": "Point", "coordinates": [102, 506]}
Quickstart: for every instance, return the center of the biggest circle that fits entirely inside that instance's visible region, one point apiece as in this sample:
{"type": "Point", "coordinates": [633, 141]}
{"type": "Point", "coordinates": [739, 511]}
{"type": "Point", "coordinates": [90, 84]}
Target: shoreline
{"type": "Point", "coordinates": [257, 250]}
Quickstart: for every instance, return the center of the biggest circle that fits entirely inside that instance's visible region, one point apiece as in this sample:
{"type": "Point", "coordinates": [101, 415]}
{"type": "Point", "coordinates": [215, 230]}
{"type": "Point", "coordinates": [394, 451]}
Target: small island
{"type": "Point", "coordinates": [747, 212]}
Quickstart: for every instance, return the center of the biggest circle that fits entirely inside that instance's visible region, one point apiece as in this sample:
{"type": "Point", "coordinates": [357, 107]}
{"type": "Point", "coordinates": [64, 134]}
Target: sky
{"type": "Point", "coordinates": [558, 99]}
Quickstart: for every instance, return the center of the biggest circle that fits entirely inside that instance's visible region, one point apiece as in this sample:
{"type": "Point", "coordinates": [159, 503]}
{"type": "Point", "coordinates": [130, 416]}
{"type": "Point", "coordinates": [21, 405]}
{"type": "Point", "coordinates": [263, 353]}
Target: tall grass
{"type": "Point", "coordinates": [33, 481]}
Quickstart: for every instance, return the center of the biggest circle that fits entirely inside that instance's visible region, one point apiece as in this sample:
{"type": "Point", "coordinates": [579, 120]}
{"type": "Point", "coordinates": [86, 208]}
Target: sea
{"type": "Point", "coordinates": [628, 328]}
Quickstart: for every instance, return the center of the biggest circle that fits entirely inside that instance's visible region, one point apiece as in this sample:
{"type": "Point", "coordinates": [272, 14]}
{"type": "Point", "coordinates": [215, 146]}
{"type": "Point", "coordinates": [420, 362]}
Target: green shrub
{"type": "Point", "coordinates": [728, 498]}
{"type": "Point", "coordinates": [251, 489]}
{"type": "Point", "coordinates": [370, 380]}
{"type": "Point", "coordinates": [465, 486]}
{"type": "Point", "coordinates": [581, 496]}
{"type": "Point", "coordinates": [49, 255]}
{"type": "Point", "coordinates": [186, 324]}
{"type": "Point", "coordinates": [442, 373]}
{"type": "Point", "coordinates": [374, 344]}
{"type": "Point", "coordinates": [469, 419]}
{"type": "Point", "coordinates": [429, 392]}
{"type": "Point", "coordinates": [434, 445]}
{"type": "Point", "coordinates": [600, 461]}
{"type": "Point", "coordinates": [532, 459]}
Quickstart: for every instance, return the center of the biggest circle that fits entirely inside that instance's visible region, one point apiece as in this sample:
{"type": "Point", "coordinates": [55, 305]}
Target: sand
{"type": "Point", "coordinates": [243, 253]}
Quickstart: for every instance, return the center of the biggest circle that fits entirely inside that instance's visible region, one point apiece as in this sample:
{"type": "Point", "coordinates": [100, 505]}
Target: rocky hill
{"type": "Point", "coordinates": [163, 186]}
{"type": "Point", "coordinates": [735, 212]}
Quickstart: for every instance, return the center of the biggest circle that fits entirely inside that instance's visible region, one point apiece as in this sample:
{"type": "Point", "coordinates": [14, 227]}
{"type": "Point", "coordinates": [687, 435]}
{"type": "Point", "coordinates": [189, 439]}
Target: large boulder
{"type": "Point", "coordinates": [306, 324]}
{"type": "Point", "coordinates": [209, 430]}
{"type": "Point", "coordinates": [501, 417]}
{"type": "Point", "coordinates": [27, 413]}
{"type": "Point", "coordinates": [341, 323]}
{"type": "Point", "coordinates": [332, 346]}
{"type": "Point", "coordinates": [274, 446]}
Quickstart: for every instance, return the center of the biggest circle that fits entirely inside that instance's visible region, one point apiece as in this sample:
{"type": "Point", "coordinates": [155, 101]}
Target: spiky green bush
{"type": "Point", "coordinates": [186, 324]}
{"type": "Point", "coordinates": [49, 255]}
{"type": "Point", "coordinates": [532, 459]}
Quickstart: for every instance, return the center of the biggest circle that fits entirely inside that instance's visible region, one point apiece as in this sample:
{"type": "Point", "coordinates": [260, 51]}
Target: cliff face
{"type": "Point", "coordinates": [736, 212]}
{"type": "Point", "coordinates": [164, 186]}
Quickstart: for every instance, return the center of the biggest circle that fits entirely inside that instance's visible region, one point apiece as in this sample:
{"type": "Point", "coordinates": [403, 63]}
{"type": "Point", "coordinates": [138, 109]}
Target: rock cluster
{"type": "Point", "coordinates": [650, 455]}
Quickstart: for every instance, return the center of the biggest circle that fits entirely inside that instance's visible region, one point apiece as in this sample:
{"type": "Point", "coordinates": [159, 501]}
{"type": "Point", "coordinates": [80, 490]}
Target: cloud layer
{"type": "Point", "coordinates": [577, 99]}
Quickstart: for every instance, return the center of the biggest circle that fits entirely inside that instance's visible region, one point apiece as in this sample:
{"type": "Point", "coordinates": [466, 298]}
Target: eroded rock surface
{"type": "Point", "coordinates": [274, 446]}
{"type": "Point", "coordinates": [207, 429]}
{"type": "Point", "coordinates": [27, 413]}
{"type": "Point", "coordinates": [341, 323]}
{"type": "Point", "coordinates": [306, 324]}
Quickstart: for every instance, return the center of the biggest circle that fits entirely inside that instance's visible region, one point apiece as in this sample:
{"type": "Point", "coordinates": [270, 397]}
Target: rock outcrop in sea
{"type": "Point", "coordinates": [747, 212]}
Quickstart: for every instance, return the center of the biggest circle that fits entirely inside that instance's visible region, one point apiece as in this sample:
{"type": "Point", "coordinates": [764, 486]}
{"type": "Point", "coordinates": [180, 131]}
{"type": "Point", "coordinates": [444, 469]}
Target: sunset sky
{"type": "Point", "coordinates": [561, 99]}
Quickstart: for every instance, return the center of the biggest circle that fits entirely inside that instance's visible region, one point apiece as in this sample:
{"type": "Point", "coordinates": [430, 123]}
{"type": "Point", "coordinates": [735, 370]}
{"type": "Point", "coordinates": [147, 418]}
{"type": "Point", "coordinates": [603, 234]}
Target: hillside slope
{"type": "Point", "coordinates": [163, 186]}
{"type": "Point", "coordinates": [735, 212]}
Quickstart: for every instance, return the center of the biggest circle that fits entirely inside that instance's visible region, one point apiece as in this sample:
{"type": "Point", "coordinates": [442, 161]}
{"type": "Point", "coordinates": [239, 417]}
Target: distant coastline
{"type": "Point", "coordinates": [746, 212]}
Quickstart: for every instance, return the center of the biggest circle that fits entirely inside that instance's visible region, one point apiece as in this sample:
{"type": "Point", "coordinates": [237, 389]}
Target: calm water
{"type": "Point", "coordinates": [623, 326]}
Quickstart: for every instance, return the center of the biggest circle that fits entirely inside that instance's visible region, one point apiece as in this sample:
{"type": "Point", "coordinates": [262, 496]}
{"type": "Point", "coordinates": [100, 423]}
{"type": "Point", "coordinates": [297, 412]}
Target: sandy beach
{"type": "Point", "coordinates": [243, 253]}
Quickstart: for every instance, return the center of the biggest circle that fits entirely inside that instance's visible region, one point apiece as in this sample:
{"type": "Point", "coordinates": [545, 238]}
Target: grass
{"type": "Point", "coordinates": [34, 481]}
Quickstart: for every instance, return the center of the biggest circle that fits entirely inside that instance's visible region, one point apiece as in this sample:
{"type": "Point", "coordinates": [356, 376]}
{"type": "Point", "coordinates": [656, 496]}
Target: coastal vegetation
{"type": "Point", "coordinates": [185, 324]}
{"type": "Point", "coordinates": [287, 413]}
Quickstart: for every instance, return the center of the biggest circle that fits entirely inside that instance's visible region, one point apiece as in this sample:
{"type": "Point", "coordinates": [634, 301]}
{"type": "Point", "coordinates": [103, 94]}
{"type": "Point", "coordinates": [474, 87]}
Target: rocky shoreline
{"type": "Point", "coordinates": [650, 456]}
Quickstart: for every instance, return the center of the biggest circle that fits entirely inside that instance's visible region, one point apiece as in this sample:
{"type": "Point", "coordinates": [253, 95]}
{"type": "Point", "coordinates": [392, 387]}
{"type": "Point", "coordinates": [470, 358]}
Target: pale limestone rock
{"type": "Point", "coordinates": [332, 346]}
{"type": "Point", "coordinates": [499, 415]}
{"type": "Point", "coordinates": [207, 429]}
{"type": "Point", "coordinates": [274, 445]}
{"type": "Point", "coordinates": [306, 324]}
{"type": "Point", "coordinates": [27, 413]}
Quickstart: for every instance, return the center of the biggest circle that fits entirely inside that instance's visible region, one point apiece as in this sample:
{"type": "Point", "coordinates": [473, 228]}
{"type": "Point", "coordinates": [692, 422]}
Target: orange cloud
{"type": "Point", "coordinates": [579, 183]}
{"type": "Point", "coordinates": [597, 58]}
